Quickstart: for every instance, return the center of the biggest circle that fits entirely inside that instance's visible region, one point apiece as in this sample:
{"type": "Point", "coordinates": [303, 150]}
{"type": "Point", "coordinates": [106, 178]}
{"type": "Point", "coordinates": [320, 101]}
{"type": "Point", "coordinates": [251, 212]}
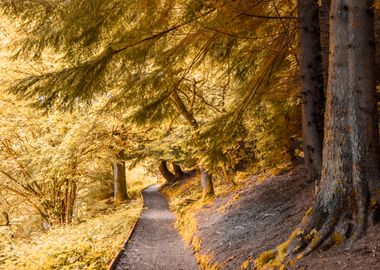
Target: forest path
{"type": "Point", "coordinates": [155, 243]}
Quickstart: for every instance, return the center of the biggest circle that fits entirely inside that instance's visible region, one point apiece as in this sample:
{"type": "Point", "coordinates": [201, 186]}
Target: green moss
{"type": "Point", "coordinates": [273, 259]}
{"type": "Point", "coordinates": [337, 238]}
{"type": "Point", "coordinates": [245, 264]}
{"type": "Point", "coordinates": [265, 258]}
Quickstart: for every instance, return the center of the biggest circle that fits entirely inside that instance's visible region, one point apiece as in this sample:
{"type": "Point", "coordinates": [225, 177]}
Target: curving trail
{"type": "Point", "coordinates": [155, 244]}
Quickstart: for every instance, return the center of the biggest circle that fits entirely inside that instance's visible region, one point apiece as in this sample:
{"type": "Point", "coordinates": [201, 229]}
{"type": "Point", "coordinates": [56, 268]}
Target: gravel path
{"type": "Point", "coordinates": [155, 244]}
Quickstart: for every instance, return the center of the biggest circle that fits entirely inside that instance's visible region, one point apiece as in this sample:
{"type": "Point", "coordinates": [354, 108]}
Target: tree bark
{"type": "Point", "coordinates": [312, 86]}
{"type": "Point", "coordinates": [324, 17]}
{"type": "Point", "coordinates": [377, 35]}
{"type": "Point", "coordinates": [179, 174]}
{"type": "Point", "coordinates": [6, 221]}
{"type": "Point", "coordinates": [70, 201]}
{"type": "Point", "coordinates": [350, 169]}
{"type": "Point", "coordinates": [120, 181]}
{"type": "Point", "coordinates": [166, 173]}
{"type": "Point", "coordinates": [206, 179]}
{"type": "Point", "coordinates": [178, 103]}
{"type": "Point", "coordinates": [207, 186]}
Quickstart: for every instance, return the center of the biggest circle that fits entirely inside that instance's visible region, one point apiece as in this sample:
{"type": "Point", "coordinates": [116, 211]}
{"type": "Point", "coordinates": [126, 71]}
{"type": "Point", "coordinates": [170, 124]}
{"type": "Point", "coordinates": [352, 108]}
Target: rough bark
{"type": "Point", "coordinates": [350, 170]}
{"type": "Point", "coordinates": [324, 11]}
{"type": "Point", "coordinates": [166, 173]}
{"type": "Point", "coordinates": [377, 35]}
{"type": "Point", "coordinates": [120, 181]}
{"type": "Point", "coordinates": [312, 86]}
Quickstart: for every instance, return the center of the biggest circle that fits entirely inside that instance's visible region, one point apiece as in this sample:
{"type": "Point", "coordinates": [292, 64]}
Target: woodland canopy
{"type": "Point", "coordinates": [175, 86]}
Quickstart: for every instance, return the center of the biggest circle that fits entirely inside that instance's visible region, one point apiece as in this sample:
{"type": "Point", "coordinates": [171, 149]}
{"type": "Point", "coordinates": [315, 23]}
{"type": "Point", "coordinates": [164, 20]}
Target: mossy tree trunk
{"type": "Point", "coordinates": [348, 199]}
{"type": "Point", "coordinates": [312, 86]}
{"type": "Point", "coordinates": [120, 181]}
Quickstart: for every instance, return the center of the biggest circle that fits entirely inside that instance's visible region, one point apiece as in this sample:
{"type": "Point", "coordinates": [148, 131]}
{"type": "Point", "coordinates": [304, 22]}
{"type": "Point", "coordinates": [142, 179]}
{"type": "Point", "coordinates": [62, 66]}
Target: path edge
{"type": "Point", "coordinates": [112, 264]}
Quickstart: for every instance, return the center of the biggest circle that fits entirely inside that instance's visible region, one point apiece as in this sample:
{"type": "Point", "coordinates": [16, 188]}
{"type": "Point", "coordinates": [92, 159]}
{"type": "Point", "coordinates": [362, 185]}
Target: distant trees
{"type": "Point", "coordinates": [219, 68]}
{"type": "Point", "coordinates": [47, 161]}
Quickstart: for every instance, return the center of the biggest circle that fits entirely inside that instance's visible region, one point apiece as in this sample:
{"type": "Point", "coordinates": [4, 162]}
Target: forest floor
{"type": "Point", "coordinates": [256, 217]}
{"type": "Point", "coordinates": [155, 244]}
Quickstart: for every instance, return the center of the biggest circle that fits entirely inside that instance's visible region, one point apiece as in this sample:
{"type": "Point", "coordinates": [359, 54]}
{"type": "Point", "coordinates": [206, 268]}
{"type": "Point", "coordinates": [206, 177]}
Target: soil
{"type": "Point", "coordinates": [155, 244]}
{"type": "Point", "coordinates": [260, 216]}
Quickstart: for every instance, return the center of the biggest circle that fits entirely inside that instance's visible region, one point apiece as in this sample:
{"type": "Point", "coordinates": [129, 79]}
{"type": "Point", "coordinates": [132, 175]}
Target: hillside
{"type": "Point", "coordinates": [257, 217]}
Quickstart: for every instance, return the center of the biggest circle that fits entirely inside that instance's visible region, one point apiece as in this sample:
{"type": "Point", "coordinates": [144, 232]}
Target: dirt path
{"type": "Point", "coordinates": [155, 244]}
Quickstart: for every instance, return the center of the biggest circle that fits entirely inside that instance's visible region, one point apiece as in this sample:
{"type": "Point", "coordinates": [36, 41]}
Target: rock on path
{"type": "Point", "coordinates": [155, 244]}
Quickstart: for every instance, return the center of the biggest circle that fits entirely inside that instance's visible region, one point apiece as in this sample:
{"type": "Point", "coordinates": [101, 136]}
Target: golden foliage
{"type": "Point", "coordinates": [87, 245]}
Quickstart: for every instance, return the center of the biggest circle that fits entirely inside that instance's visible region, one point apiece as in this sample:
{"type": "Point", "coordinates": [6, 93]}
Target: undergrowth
{"type": "Point", "coordinates": [91, 244]}
{"type": "Point", "coordinates": [185, 200]}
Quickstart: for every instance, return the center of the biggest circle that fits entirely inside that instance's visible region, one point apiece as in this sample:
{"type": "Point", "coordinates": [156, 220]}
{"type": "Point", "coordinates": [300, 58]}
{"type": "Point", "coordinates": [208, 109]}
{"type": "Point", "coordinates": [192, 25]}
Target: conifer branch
{"type": "Point", "coordinates": [270, 17]}
{"type": "Point", "coordinates": [161, 34]}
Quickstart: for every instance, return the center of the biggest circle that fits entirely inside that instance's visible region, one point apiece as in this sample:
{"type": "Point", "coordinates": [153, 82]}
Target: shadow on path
{"type": "Point", "coordinates": [155, 244]}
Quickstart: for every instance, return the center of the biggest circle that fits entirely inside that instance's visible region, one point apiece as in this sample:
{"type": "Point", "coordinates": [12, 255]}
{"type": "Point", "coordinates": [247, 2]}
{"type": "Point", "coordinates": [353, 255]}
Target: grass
{"type": "Point", "coordinates": [88, 245]}
{"type": "Point", "coordinates": [91, 242]}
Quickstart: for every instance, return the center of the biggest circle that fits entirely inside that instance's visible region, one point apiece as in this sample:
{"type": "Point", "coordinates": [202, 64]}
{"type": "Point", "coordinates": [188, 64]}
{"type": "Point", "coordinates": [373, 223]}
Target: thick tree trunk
{"type": "Point", "coordinates": [120, 181]}
{"type": "Point", "coordinates": [312, 86]}
{"type": "Point", "coordinates": [324, 17]}
{"type": "Point", "coordinates": [179, 174]}
{"type": "Point", "coordinates": [377, 35]}
{"type": "Point", "coordinates": [168, 175]}
{"type": "Point", "coordinates": [350, 171]}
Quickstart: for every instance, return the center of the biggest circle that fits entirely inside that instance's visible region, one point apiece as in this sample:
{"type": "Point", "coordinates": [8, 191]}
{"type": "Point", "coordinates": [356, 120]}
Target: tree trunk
{"type": "Point", "coordinates": [179, 174]}
{"type": "Point", "coordinates": [178, 103]}
{"type": "Point", "coordinates": [206, 178]}
{"type": "Point", "coordinates": [350, 169]}
{"type": "Point", "coordinates": [377, 35]}
{"type": "Point", "coordinates": [168, 175]}
{"type": "Point", "coordinates": [70, 201]}
{"type": "Point", "coordinates": [324, 27]}
{"type": "Point", "coordinates": [312, 86]}
{"type": "Point", "coordinates": [207, 186]}
{"type": "Point", "coordinates": [120, 181]}
{"type": "Point", "coordinates": [5, 221]}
